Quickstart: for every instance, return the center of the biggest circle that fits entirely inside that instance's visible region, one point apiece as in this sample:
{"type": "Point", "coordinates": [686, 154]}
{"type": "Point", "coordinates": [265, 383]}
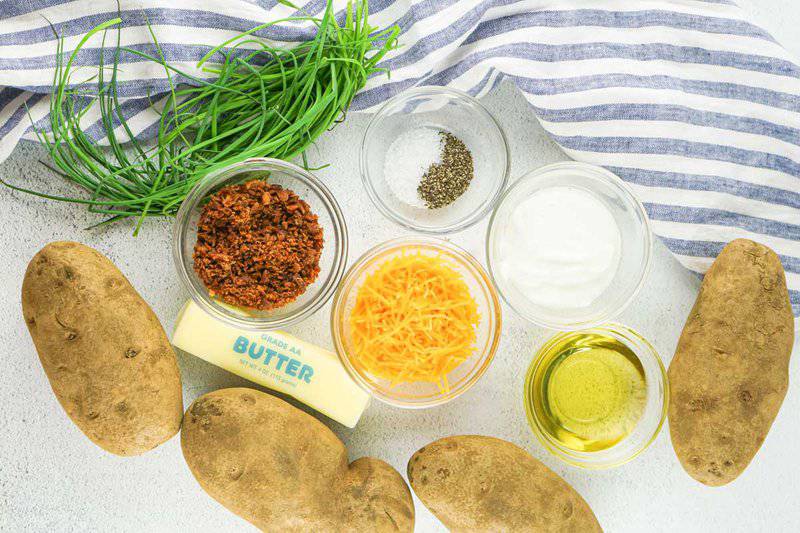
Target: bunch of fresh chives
{"type": "Point", "coordinates": [264, 102]}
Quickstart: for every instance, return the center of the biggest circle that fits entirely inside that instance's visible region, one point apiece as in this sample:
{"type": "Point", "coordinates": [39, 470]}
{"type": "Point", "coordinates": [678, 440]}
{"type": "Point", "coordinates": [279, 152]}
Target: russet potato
{"type": "Point", "coordinates": [483, 484]}
{"type": "Point", "coordinates": [283, 470]}
{"type": "Point", "coordinates": [730, 372]}
{"type": "Point", "coordinates": [103, 349]}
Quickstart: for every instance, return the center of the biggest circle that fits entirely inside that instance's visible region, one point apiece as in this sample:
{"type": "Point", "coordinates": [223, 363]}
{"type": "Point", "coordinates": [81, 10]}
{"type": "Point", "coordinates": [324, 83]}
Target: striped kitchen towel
{"type": "Point", "coordinates": [696, 107]}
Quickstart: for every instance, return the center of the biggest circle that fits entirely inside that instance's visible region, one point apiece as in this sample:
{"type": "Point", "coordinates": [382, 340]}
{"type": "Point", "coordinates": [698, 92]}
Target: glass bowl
{"type": "Point", "coordinates": [443, 109]}
{"type": "Point", "coordinates": [419, 394]}
{"type": "Point", "coordinates": [309, 188]}
{"type": "Point", "coordinates": [636, 244]}
{"type": "Point", "coordinates": [645, 430]}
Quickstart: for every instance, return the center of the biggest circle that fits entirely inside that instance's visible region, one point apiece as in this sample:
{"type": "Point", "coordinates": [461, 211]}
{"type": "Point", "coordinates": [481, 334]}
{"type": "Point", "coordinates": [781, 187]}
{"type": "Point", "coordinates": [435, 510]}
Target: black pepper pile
{"type": "Point", "coordinates": [445, 182]}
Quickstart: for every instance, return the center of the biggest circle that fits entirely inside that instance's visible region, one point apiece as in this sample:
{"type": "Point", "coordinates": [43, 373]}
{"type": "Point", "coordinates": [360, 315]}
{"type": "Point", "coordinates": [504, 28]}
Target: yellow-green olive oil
{"type": "Point", "coordinates": [587, 391]}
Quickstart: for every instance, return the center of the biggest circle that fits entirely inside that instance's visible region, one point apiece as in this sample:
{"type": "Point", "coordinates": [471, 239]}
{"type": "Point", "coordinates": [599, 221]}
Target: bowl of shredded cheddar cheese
{"type": "Point", "coordinates": [416, 321]}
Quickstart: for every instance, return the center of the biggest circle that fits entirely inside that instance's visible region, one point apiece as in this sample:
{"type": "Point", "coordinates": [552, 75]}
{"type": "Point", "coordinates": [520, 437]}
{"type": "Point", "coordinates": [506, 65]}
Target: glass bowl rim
{"type": "Point", "coordinates": [474, 216]}
{"type": "Point", "coordinates": [494, 305]}
{"type": "Point", "coordinates": [208, 182]}
{"type": "Point", "coordinates": [582, 459]}
{"type": "Point", "coordinates": [600, 174]}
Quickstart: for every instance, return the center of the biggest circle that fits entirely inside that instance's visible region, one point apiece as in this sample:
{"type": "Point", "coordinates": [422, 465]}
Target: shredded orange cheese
{"type": "Point", "coordinates": [414, 319]}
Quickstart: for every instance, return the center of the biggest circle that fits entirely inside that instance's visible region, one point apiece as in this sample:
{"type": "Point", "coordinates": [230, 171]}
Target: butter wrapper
{"type": "Point", "coordinates": [275, 360]}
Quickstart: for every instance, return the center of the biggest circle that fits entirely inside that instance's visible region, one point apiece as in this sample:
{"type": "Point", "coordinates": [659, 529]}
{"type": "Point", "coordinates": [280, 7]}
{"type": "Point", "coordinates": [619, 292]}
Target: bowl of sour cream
{"type": "Point", "coordinates": [569, 246]}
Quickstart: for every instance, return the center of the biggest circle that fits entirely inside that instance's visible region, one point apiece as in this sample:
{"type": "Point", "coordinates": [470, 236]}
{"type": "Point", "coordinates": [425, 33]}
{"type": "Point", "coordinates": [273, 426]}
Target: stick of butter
{"type": "Point", "coordinates": [275, 360]}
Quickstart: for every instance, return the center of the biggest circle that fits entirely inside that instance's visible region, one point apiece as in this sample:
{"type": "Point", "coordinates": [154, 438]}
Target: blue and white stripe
{"type": "Point", "coordinates": [697, 108]}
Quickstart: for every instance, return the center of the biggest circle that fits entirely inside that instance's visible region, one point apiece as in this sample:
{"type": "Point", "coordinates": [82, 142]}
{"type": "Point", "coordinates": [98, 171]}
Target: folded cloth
{"type": "Point", "coordinates": [693, 105]}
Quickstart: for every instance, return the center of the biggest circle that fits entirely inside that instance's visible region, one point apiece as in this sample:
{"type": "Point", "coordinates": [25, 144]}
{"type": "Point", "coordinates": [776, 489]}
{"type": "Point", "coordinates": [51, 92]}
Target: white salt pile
{"type": "Point", "coordinates": [408, 158]}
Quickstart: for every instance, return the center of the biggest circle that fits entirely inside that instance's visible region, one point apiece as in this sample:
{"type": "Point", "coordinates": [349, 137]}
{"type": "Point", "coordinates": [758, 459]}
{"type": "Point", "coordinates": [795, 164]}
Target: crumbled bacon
{"type": "Point", "coordinates": [258, 245]}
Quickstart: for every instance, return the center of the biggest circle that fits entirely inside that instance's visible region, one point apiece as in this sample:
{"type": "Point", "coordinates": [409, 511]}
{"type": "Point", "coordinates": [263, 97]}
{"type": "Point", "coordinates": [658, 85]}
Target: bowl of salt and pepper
{"type": "Point", "coordinates": [434, 160]}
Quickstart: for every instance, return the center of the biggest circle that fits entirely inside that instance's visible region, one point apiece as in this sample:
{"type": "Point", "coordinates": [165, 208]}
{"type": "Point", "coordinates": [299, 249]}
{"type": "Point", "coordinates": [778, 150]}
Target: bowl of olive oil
{"type": "Point", "coordinates": [596, 398]}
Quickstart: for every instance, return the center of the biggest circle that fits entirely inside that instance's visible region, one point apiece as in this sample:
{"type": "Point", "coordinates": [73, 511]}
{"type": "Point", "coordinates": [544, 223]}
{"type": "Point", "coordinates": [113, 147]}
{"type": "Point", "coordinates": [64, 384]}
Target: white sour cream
{"type": "Point", "coordinates": [561, 248]}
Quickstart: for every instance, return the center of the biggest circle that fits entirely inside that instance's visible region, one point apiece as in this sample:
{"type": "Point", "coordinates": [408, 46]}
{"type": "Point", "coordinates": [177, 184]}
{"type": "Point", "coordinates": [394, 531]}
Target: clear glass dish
{"type": "Point", "coordinates": [646, 429]}
{"type": "Point", "coordinates": [636, 241]}
{"type": "Point", "coordinates": [419, 394]}
{"type": "Point", "coordinates": [444, 109]}
{"type": "Point", "coordinates": [334, 252]}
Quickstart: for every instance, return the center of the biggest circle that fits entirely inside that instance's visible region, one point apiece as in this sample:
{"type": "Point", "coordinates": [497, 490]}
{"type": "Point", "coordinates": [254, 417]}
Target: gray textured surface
{"type": "Point", "coordinates": [52, 478]}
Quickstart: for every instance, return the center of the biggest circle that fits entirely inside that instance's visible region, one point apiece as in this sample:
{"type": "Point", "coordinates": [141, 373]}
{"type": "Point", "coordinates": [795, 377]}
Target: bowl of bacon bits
{"type": "Point", "coordinates": [260, 244]}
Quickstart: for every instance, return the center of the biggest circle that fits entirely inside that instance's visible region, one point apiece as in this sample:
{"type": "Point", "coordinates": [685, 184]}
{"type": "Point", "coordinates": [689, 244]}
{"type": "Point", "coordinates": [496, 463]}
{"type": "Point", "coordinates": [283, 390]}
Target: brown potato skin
{"type": "Point", "coordinates": [103, 349]}
{"type": "Point", "coordinates": [475, 483]}
{"type": "Point", "coordinates": [731, 367]}
{"type": "Point", "coordinates": [283, 470]}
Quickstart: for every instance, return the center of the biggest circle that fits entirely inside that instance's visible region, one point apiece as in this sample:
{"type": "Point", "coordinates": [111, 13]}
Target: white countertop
{"type": "Point", "coordinates": [52, 478]}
